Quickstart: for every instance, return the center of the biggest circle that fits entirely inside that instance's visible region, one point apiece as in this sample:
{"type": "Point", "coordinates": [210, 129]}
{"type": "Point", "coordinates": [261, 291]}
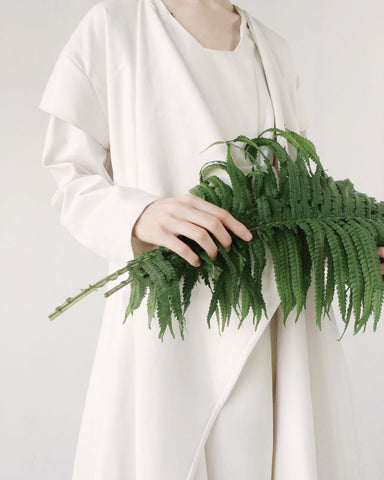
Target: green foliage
{"type": "Point", "coordinates": [311, 224]}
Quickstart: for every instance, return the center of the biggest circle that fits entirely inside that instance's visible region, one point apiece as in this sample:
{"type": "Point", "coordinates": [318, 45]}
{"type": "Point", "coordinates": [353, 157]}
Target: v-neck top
{"type": "Point", "coordinates": [232, 81]}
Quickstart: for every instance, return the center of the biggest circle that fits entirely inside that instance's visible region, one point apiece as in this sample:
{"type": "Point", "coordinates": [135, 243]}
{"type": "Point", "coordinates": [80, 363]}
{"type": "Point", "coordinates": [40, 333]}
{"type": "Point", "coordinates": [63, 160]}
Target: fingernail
{"type": "Point", "coordinates": [248, 236]}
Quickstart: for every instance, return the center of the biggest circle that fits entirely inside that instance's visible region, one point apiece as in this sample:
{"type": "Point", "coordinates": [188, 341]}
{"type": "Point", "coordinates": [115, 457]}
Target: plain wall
{"type": "Point", "coordinates": [45, 366]}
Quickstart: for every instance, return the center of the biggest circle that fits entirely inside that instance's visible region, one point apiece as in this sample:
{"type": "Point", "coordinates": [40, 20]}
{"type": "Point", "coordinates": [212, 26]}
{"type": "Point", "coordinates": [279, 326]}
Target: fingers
{"type": "Point", "coordinates": [193, 217]}
{"type": "Point", "coordinates": [182, 249]}
{"type": "Point", "coordinates": [196, 233]}
{"type": "Point", "coordinates": [380, 251]}
{"type": "Point", "coordinates": [208, 222]}
{"type": "Point", "coordinates": [223, 215]}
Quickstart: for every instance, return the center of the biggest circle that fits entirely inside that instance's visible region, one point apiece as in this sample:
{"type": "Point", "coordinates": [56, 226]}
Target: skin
{"type": "Point", "coordinates": [215, 24]}
{"type": "Point", "coordinates": [164, 219]}
{"type": "Point", "coordinates": [380, 251]}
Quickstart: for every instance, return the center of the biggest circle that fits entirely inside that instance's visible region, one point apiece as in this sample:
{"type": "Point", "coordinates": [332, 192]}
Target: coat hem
{"type": "Point", "coordinates": [225, 394]}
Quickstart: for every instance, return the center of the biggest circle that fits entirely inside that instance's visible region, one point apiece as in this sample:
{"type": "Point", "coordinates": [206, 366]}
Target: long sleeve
{"type": "Point", "coordinates": [98, 213]}
{"type": "Point", "coordinates": [94, 208]}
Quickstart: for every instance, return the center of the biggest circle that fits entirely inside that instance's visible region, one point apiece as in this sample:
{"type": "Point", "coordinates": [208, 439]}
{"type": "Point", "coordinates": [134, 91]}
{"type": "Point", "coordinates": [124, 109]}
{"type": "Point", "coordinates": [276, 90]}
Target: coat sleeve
{"type": "Point", "coordinates": [98, 213]}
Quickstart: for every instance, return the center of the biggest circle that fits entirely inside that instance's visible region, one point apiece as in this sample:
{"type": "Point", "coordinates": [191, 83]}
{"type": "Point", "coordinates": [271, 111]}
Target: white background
{"type": "Point", "coordinates": [45, 366]}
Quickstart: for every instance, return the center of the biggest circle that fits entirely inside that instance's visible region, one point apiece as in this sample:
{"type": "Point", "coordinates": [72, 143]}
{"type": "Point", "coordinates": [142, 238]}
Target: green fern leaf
{"type": "Point", "coordinates": [310, 223]}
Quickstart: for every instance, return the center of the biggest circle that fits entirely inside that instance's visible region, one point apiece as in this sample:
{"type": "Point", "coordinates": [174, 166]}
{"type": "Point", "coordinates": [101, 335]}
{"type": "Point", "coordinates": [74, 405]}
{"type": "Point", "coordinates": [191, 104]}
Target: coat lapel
{"type": "Point", "coordinates": [278, 84]}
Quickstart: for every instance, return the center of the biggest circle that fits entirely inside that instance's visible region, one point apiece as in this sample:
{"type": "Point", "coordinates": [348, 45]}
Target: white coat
{"type": "Point", "coordinates": [150, 405]}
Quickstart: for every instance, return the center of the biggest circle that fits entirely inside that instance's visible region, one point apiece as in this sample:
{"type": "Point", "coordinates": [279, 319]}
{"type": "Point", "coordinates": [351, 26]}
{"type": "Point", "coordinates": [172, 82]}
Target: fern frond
{"type": "Point", "coordinates": [309, 222]}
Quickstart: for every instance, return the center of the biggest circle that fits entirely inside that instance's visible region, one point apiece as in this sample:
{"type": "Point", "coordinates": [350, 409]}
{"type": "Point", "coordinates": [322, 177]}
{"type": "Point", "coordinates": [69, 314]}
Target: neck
{"type": "Point", "coordinates": [209, 3]}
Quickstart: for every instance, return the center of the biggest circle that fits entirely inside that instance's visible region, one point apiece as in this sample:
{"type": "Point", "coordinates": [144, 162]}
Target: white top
{"type": "Point", "coordinates": [225, 74]}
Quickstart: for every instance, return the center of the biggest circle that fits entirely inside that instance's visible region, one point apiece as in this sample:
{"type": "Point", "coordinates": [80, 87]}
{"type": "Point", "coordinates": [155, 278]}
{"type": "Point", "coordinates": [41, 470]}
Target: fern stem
{"type": "Point", "coordinates": [84, 292]}
{"type": "Point", "coordinates": [117, 287]}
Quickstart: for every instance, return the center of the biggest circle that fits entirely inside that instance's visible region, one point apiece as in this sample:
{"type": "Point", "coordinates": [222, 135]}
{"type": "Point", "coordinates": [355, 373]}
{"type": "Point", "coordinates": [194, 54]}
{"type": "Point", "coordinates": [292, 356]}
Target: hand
{"type": "Point", "coordinates": [380, 251]}
{"type": "Point", "coordinates": [163, 220]}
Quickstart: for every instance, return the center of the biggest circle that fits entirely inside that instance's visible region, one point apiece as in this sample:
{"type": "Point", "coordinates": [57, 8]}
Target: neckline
{"type": "Point", "coordinates": [164, 11]}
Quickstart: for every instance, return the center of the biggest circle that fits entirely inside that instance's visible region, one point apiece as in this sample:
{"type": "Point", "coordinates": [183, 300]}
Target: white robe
{"type": "Point", "coordinates": [141, 126]}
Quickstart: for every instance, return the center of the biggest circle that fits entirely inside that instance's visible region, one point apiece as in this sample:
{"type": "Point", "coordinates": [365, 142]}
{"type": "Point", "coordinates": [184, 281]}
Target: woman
{"type": "Point", "coordinates": [138, 91]}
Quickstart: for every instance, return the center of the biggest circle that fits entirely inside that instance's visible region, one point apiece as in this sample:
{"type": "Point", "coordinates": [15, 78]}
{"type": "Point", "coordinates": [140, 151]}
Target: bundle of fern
{"type": "Point", "coordinates": [307, 220]}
